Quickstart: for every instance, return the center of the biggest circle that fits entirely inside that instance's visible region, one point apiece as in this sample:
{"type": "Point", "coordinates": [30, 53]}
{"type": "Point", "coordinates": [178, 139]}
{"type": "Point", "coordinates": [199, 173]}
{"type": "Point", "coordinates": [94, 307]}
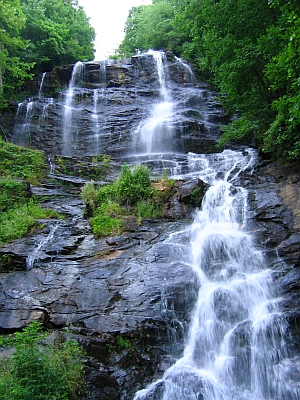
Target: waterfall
{"type": "Point", "coordinates": [34, 256]}
{"type": "Point", "coordinates": [40, 91]}
{"type": "Point", "coordinates": [155, 133]}
{"type": "Point", "coordinates": [159, 58]}
{"type": "Point", "coordinates": [235, 345]}
{"type": "Point", "coordinates": [22, 128]}
{"type": "Point", "coordinates": [189, 76]}
{"type": "Point", "coordinates": [234, 340]}
{"type": "Point", "coordinates": [69, 107]}
{"type": "Point", "coordinates": [103, 70]}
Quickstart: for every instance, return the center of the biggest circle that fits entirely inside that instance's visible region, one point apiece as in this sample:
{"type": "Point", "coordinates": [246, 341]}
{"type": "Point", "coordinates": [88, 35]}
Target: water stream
{"type": "Point", "coordinates": [235, 344]}
{"type": "Point", "coordinates": [33, 258]}
{"type": "Point", "coordinates": [70, 107]}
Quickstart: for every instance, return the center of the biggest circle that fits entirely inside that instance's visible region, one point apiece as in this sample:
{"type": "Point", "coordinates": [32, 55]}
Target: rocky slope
{"type": "Point", "coordinates": [128, 299]}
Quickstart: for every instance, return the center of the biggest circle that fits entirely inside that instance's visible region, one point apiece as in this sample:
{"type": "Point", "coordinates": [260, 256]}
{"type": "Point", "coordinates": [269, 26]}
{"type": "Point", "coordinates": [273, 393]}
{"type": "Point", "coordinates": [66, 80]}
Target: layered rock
{"type": "Point", "coordinates": [127, 299]}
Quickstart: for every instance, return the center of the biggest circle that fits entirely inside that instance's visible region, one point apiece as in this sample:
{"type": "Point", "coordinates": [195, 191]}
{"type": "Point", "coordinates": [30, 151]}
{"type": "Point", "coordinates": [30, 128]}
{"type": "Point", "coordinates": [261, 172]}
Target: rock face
{"type": "Point", "coordinates": [106, 101]}
{"type": "Point", "coordinates": [128, 299]}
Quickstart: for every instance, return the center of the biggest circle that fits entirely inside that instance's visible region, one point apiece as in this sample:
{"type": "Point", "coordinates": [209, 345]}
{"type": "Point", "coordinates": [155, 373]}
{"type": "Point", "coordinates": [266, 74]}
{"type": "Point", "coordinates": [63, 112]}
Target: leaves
{"type": "Point", "coordinates": [37, 371]}
{"type": "Point", "coordinates": [248, 49]}
{"type": "Point", "coordinates": [40, 35]}
{"type": "Point", "coordinates": [59, 32]}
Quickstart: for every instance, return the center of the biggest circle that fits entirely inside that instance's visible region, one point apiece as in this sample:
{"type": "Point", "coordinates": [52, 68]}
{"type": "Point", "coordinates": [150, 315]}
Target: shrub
{"type": "Point", "coordinates": [13, 192]}
{"type": "Point", "coordinates": [148, 209]}
{"type": "Point", "coordinates": [21, 163]}
{"type": "Point", "coordinates": [16, 222]}
{"type": "Point", "coordinates": [36, 371]}
{"type": "Point", "coordinates": [105, 194]}
{"type": "Point", "coordinates": [88, 195]}
{"type": "Point", "coordinates": [104, 225]}
{"type": "Point", "coordinates": [133, 186]}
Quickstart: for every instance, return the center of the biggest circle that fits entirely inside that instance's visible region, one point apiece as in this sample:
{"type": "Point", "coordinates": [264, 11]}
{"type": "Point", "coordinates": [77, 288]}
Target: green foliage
{"type": "Point", "coordinates": [106, 221]}
{"type": "Point", "coordinates": [18, 213]}
{"type": "Point", "coordinates": [105, 194]}
{"type": "Point", "coordinates": [106, 159]}
{"type": "Point", "coordinates": [40, 34]}
{"type": "Point", "coordinates": [19, 162]}
{"type": "Point", "coordinates": [248, 49]}
{"type": "Point", "coordinates": [13, 71]}
{"type": "Point", "coordinates": [88, 195]}
{"type": "Point", "coordinates": [36, 371]}
{"type": "Point", "coordinates": [133, 186]}
{"type": "Point", "coordinates": [58, 32]}
{"type": "Point", "coordinates": [239, 129]}
{"type": "Point", "coordinates": [149, 27]}
{"type": "Point", "coordinates": [104, 225]}
{"type": "Point", "coordinates": [12, 192]}
{"type": "Point", "coordinates": [148, 209]}
{"type": "Point", "coordinates": [18, 221]}
{"type": "Point", "coordinates": [132, 192]}
{"type": "Point", "coordinates": [124, 343]}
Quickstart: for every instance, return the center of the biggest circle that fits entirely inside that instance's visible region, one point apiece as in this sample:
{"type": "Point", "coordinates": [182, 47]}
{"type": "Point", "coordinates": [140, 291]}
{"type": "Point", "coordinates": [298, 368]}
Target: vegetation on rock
{"type": "Point", "coordinates": [37, 370]}
{"type": "Point", "coordinates": [248, 49]}
{"type": "Point", "coordinates": [19, 167]}
{"type": "Point", "coordinates": [132, 193]}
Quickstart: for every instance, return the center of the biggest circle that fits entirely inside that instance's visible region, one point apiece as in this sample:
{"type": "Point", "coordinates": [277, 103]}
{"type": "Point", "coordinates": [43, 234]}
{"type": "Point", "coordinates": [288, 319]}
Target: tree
{"type": "Point", "coordinates": [149, 27]}
{"type": "Point", "coordinates": [283, 72]}
{"type": "Point", "coordinates": [13, 71]}
{"type": "Point", "coordinates": [58, 31]}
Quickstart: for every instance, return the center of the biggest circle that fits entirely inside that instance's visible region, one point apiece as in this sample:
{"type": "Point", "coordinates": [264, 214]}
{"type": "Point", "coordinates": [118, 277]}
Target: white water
{"type": "Point", "coordinates": [190, 77]}
{"type": "Point", "coordinates": [40, 91]}
{"type": "Point", "coordinates": [235, 345]}
{"type": "Point", "coordinates": [155, 133]}
{"type": "Point", "coordinates": [22, 128]}
{"type": "Point", "coordinates": [69, 108]}
{"type": "Point", "coordinates": [35, 255]}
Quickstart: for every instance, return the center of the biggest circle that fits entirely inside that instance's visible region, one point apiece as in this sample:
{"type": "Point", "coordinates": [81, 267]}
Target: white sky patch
{"type": "Point", "coordinates": [108, 17]}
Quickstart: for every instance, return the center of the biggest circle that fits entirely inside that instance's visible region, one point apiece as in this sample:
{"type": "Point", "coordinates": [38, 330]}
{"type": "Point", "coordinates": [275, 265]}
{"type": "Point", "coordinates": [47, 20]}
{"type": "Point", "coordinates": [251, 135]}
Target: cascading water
{"type": "Point", "coordinates": [33, 257]}
{"type": "Point", "coordinates": [235, 345]}
{"type": "Point", "coordinates": [23, 122]}
{"type": "Point", "coordinates": [155, 134]}
{"type": "Point", "coordinates": [190, 74]}
{"type": "Point", "coordinates": [40, 92]}
{"type": "Point", "coordinates": [68, 121]}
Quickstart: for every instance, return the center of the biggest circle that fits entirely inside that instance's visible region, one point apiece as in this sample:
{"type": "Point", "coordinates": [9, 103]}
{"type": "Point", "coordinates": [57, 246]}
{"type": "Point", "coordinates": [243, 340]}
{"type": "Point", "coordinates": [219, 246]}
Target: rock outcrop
{"type": "Point", "coordinates": [128, 299]}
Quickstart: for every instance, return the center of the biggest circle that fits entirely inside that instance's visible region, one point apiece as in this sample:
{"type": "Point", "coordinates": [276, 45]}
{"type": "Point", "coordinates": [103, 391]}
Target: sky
{"type": "Point", "coordinates": [108, 17]}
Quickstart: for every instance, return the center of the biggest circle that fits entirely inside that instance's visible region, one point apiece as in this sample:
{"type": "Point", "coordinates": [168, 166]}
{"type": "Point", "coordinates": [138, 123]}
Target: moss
{"type": "Point", "coordinates": [20, 163]}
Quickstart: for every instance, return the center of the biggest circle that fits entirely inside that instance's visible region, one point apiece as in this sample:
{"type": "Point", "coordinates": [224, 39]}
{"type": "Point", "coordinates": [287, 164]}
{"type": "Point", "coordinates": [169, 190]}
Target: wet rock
{"type": "Point", "coordinates": [173, 209]}
{"type": "Point", "coordinates": [136, 288]}
{"type": "Point", "coordinates": [116, 96]}
{"type": "Point", "coordinates": [191, 192]}
{"type": "Point", "coordinates": [289, 249]}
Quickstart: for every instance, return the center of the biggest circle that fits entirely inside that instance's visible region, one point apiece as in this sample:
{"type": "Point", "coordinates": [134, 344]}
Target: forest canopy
{"type": "Point", "coordinates": [38, 35]}
{"type": "Point", "coordinates": [248, 49]}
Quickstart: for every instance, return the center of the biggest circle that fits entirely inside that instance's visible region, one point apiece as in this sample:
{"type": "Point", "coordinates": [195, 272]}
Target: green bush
{"type": "Point", "coordinates": [17, 222]}
{"type": "Point", "coordinates": [104, 225]}
{"type": "Point", "coordinates": [105, 194]}
{"type": "Point", "coordinates": [88, 195]}
{"type": "Point", "coordinates": [148, 209]}
{"type": "Point", "coordinates": [132, 192]}
{"type": "Point", "coordinates": [36, 371]}
{"type": "Point", "coordinates": [19, 162]}
{"type": "Point", "coordinates": [13, 192]}
{"type": "Point", "coordinates": [133, 186]}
